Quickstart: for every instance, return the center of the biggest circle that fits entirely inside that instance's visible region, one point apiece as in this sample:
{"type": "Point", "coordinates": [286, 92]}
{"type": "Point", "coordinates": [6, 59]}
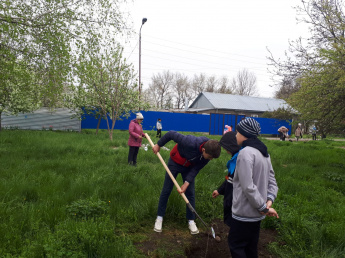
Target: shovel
{"type": "Point", "coordinates": [178, 187]}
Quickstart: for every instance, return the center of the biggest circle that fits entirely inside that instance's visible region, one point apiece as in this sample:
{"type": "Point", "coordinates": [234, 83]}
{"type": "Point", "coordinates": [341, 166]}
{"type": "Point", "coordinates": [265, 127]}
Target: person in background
{"type": "Point", "coordinates": [228, 128]}
{"type": "Point", "coordinates": [255, 189]}
{"type": "Point", "coordinates": [313, 133]}
{"type": "Point", "coordinates": [282, 133]}
{"type": "Point", "coordinates": [298, 132]}
{"type": "Point", "coordinates": [287, 133]}
{"type": "Point", "coordinates": [135, 138]}
{"type": "Point", "coordinates": [302, 129]}
{"type": "Point", "coordinates": [229, 143]}
{"type": "Point", "coordinates": [159, 128]}
{"type": "Point", "coordinates": [188, 157]}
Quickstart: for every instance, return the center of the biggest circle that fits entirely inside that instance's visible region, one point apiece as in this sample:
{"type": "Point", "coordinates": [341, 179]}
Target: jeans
{"type": "Point", "coordinates": [168, 185]}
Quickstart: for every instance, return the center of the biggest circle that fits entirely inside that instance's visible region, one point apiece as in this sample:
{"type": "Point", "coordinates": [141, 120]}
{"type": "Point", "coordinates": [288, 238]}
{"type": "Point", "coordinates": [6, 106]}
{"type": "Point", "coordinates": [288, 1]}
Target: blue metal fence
{"type": "Point", "coordinates": [213, 124]}
{"type": "Point", "coordinates": [171, 121]}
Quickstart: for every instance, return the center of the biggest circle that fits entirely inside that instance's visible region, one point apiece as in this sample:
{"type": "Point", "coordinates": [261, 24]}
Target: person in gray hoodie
{"type": "Point", "coordinates": [254, 190]}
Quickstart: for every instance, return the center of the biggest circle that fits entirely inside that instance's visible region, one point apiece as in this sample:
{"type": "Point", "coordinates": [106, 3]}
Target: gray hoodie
{"type": "Point", "coordinates": [254, 183]}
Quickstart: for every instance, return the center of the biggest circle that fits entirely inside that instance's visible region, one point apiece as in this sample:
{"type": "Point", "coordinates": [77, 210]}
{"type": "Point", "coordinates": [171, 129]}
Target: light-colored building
{"type": "Point", "coordinates": [209, 102]}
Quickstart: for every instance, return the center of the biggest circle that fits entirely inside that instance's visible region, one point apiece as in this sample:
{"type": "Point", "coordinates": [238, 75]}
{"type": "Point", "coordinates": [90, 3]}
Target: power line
{"type": "Point", "coordinates": [212, 50]}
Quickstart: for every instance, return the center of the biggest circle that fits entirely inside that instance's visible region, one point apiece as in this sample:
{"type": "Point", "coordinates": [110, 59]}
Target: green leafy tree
{"type": "Point", "coordinates": [107, 85]}
{"type": "Point", "coordinates": [317, 66]}
{"type": "Point", "coordinates": [280, 113]}
{"type": "Point", "coordinates": [42, 39]}
{"type": "Point", "coordinates": [18, 91]}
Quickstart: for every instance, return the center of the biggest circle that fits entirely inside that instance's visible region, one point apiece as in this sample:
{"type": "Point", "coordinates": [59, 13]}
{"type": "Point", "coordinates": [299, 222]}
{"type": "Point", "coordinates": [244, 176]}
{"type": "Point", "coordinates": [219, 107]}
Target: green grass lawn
{"type": "Point", "coordinates": [65, 194]}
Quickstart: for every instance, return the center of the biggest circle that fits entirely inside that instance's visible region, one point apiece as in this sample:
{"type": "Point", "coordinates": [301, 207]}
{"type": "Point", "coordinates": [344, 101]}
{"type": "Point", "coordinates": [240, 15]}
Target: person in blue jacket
{"type": "Point", "coordinates": [187, 158]}
{"type": "Point", "coordinates": [229, 143]}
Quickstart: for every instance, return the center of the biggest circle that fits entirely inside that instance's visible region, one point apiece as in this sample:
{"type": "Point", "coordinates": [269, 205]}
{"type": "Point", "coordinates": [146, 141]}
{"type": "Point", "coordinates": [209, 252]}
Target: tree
{"type": "Point", "coordinates": [224, 86]}
{"type": "Point", "coordinates": [17, 89]}
{"type": "Point", "coordinates": [244, 83]}
{"type": "Point", "coordinates": [198, 84]}
{"type": "Point", "coordinates": [107, 85]}
{"type": "Point", "coordinates": [43, 38]}
{"type": "Point", "coordinates": [181, 86]}
{"type": "Point", "coordinates": [161, 87]}
{"type": "Point", "coordinates": [287, 88]}
{"type": "Point", "coordinates": [211, 84]}
{"type": "Point", "coordinates": [280, 113]}
{"type": "Point", "coordinates": [318, 65]}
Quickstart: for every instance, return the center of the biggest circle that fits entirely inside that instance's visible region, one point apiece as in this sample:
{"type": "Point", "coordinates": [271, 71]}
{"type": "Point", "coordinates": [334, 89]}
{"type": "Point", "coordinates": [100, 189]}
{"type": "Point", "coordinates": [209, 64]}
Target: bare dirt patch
{"type": "Point", "coordinates": [174, 242]}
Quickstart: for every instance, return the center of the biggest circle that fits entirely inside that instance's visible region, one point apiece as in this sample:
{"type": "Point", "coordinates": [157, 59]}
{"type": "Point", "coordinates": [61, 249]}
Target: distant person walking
{"type": "Point", "coordinates": [298, 132]}
{"type": "Point", "coordinates": [159, 128]}
{"type": "Point", "coordinates": [302, 129]}
{"type": "Point", "coordinates": [135, 138]}
{"type": "Point", "coordinates": [313, 133]}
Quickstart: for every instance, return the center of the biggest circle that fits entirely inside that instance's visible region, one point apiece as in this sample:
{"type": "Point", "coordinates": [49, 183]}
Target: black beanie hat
{"type": "Point", "coordinates": [229, 142]}
{"type": "Point", "coordinates": [249, 128]}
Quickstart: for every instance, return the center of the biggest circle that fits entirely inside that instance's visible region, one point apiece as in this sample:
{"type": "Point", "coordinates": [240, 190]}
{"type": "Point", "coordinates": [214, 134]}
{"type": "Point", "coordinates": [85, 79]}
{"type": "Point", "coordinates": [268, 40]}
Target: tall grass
{"type": "Point", "coordinates": [73, 194]}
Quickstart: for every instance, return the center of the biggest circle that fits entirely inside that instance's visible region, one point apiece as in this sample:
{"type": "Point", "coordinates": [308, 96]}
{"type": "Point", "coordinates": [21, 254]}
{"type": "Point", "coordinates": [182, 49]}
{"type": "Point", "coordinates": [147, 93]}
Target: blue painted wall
{"type": "Point", "coordinates": [271, 125]}
{"type": "Point", "coordinates": [212, 124]}
{"type": "Point", "coordinates": [268, 125]}
{"type": "Point", "coordinates": [170, 121]}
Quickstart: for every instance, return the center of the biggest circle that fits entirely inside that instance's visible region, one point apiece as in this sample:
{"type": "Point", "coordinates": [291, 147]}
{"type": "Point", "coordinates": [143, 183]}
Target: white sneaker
{"type": "Point", "coordinates": [193, 228]}
{"type": "Point", "coordinates": [158, 225]}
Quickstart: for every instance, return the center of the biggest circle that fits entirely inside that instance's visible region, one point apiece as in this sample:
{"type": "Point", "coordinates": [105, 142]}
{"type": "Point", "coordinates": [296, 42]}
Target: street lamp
{"type": "Point", "coordinates": [142, 23]}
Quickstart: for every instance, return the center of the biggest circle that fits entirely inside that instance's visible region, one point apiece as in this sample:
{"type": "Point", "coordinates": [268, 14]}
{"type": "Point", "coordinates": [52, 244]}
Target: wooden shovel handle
{"type": "Point", "coordinates": [167, 169]}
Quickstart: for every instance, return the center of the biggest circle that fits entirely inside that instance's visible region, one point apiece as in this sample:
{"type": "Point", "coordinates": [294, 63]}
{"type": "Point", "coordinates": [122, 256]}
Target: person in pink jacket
{"type": "Point", "coordinates": [135, 138]}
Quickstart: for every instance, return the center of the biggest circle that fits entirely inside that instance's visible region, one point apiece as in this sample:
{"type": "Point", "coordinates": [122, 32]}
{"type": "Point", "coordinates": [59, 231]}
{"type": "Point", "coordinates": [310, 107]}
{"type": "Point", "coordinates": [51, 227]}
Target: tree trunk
{"type": "Point", "coordinates": [113, 125]}
{"type": "Point", "coordinates": [110, 135]}
{"type": "Point", "coordinates": [99, 122]}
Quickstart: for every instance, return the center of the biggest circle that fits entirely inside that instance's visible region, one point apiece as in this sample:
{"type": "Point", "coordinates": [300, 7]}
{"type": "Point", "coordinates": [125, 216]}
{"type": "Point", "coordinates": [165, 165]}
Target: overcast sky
{"type": "Point", "coordinates": [214, 37]}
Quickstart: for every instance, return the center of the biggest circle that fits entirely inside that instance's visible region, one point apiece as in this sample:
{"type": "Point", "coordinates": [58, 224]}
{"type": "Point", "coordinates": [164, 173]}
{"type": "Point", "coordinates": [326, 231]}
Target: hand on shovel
{"type": "Point", "coordinates": [183, 188]}
{"type": "Point", "coordinates": [156, 149]}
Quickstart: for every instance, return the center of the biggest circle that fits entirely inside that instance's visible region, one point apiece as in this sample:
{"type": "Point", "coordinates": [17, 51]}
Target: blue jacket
{"type": "Point", "coordinates": [189, 148]}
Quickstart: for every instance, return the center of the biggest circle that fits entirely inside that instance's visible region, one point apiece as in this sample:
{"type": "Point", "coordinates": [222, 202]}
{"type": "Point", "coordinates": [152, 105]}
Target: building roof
{"type": "Point", "coordinates": [210, 100]}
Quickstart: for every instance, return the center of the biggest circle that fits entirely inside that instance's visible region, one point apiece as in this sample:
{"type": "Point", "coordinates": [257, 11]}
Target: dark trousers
{"type": "Point", "coordinates": [159, 133]}
{"type": "Point", "coordinates": [132, 155]}
{"type": "Point", "coordinates": [314, 137]}
{"type": "Point", "coordinates": [168, 186]}
{"type": "Point", "coordinates": [281, 136]}
{"type": "Point", "coordinates": [243, 239]}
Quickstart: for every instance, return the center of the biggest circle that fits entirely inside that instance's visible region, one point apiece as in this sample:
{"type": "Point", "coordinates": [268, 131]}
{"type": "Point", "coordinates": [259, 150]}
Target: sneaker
{"type": "Point", "coordinates": [158, 225]}
{"type": "Point", "coordinates": [193, 228]}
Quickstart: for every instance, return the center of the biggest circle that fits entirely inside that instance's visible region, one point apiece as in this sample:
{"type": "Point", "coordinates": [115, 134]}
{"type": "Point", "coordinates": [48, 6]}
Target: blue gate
{"type": "Point", "coordinates": [268, 125]}
{"type": "Point", "coordinates": [219, 121]}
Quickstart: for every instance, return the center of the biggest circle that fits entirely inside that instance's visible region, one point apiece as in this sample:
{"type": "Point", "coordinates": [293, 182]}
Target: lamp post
{"type": "Point", "coordinates": [142, 23]}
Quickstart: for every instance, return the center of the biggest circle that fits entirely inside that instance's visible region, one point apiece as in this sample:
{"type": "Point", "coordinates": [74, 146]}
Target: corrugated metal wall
{"type": "Point", "coordinates": [43, 119]}
{"type": "Point", "coordinates": [268, 125]}
{"type": "Point", "coordinates": [171, 121]}
{"type": "Point", "coordinates": [60, 119]}
{"type": "Point", "coordinates": [214, 124]}
{"type": "Point", "coordinates": [218, 122]}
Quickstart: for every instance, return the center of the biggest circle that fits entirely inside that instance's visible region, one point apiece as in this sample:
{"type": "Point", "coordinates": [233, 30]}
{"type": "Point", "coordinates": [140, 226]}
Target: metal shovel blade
{"type": "Point", "coordinates": [203, 222]}
{"type": "Point", "coordinates": [213, 233]}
